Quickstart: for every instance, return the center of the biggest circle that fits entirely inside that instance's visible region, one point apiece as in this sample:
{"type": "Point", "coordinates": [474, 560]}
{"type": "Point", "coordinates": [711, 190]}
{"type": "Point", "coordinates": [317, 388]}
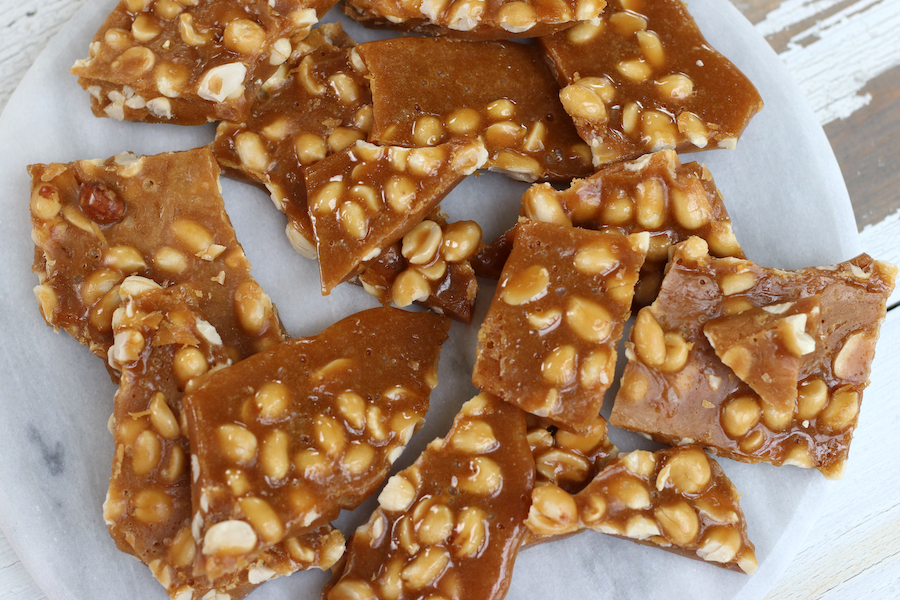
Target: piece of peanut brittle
{"type": "Point", "coordinates": [284, 440]}
{"type": "Point", "coordinates": [163, 347]}
{"type": "Point", "coordinates": [642, 78]}
{"type": "Point", "coordinates": [189, 63]}
{"type": "Point", "coordinates": [450, 525]}
{"type": "Point", "coordinates": [162, 217]}
{"type": "Point", "coordinates": [677, 499]}
{"type": "Point", "coordinates": [676, 388]}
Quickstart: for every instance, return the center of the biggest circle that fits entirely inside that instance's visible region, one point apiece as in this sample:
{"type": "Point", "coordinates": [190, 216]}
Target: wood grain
{"type": "Point", "coordinates": [843, 49]}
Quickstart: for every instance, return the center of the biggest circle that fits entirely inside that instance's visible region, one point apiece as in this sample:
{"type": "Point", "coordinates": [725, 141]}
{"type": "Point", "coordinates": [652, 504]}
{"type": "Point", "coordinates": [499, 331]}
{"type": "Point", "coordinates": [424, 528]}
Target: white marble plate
{"type": "Point", "coordinates": [783, 189]}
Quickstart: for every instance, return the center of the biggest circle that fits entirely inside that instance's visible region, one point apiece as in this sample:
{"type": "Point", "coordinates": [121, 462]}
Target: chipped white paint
{"type": "Point", "coordinates": [835, 58]}
{"type": "Point", "coordinates": [792, 12]}
{"type": "Point", "coordinates": [880, 240]}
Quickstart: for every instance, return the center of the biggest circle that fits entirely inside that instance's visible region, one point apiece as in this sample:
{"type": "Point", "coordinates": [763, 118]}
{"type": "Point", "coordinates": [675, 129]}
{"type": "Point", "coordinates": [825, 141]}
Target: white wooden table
{"type": "Point", "coordinates": [845, 54]}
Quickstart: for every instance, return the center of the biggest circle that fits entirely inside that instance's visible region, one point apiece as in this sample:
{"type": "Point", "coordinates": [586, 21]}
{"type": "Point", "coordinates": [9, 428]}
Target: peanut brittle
{"type": "Point", "coordinates": [161, 217]}
{"type": "Point", "coordinates": [475, 19]}
{"type": "Point", "coordinates": [190, 62]}
{"type": "Point", "coordinates": [765, 347]}
{"type": "Point", "coordinates": [164, 347]}
{"type": "Point", "coordinates": [548, 342]}
{"type": "Point", "coordinates": [677, 499]}
{"type": "Point", "coordinates": [429, 266]}
{"type": "Point", "coordinates": [655, 193]}
{"type": "Point", "coordinates": [318, 107]}
{"type": "Point", "coordinates": [677, 390]}
{"type": "Point", "coordinates": [285, 439]}
{"type": "Point", "coordinates": [366, 197]}
{"type": "Point", "coordinates": [566, 459]}
{"type": "Point", "coordinates": [450, 525]}
{"type": "Point", "coordinates": [642, 78]}
{"type": "Point", "coordinates": [429, 91]}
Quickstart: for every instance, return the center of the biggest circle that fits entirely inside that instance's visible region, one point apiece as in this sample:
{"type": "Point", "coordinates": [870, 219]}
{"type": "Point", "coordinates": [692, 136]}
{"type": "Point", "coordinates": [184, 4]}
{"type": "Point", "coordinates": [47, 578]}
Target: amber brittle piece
{"type": "Point", "coordinates": [678, 499]}
{"type": "Point", "coordinates": [367, 197]}
{"type": "Point", "coordinates": [164, 347]}
{"type": "Point", "coordinates": [765, 347]}
{"type": "Point", "coordinates": [642, 78]}
{"type": "Point", "coordinates": [189, 63]}
{"type": "Point", "coordinates": [320, 105]}
{"type": "Point", "coordinates": [567, 459]}
{"type": "Point", "coordinates": [450, 525]}
{"type": "Point", "coordinates": [429, 91]}
{"type": "Point", "coordinates": [287, 438]}
{"type": "Point", "coordinates": [161, 217]}
{"type": "Point", "coordinates": [676, 389]}
{"type": "Point", "coordinates": [655, 193]}
{"type": "Point", "coordinates": [476, 20]}
{"type": "Point", "coordinates": [430, 266]}
{"type": "Point", "coordinates": [548, 342]}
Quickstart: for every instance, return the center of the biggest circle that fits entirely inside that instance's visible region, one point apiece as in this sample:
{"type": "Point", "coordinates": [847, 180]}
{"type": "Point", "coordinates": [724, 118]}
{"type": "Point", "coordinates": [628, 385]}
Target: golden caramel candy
{"type": "Point", "coordinates": [431, 91]}
{"type": "Point", "coordinates": [161, 217]}
{"type": "Point", "coordinates": [642, 78]}
{"type": "Point", "coordinates": [677, 499]}
{"type": "Point", "coordinates": [548, 342]}
{"type": "Point", "coordinates": [366, 197]}
{"type": "Point", "coordinates": [283, 441]}
{"type": "Point", "coordinates": [163, 347]}
{"type": "Point", "coordinates": [189, 63]}
{"type": "Point", "coordinates": [429, 266]}
{"type": "Point", "coordinates": [450, 525]}
{"type": "Point", "coordinates": [677, 389]}
{"type": "Point", "coordinates": [315, 105]}
{"type": "Point", "coordinates": [655, 193]}
{"type": "Point", "coordinates": [766, 346]}
{"type": "Point", "coordinates": [566, 459]}
{"type": "Point", "coordinates": [475, 20]}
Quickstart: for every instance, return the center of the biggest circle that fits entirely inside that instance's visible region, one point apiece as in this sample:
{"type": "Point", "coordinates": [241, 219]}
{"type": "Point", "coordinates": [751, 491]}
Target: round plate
{"type": "Point", "coordinates": [782, 187]}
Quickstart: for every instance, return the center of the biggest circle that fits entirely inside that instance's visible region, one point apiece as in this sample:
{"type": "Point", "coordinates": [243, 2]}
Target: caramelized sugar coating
{"type": "Point", "coordinates": [766, 346]}
{"type": "Point", "coordinates": [164, 347]}
{"type": "Point", "coordinates": [677, 390]}
{"type": "Point", "coordinates": [655, 193]}
{"type": "Point", "coordinates": [430, 266]}
{"type": "Point", "coordinates": [190, 62]}
{"type": "Point", "coordinates": [566, 459]}
{"type": "Point", "coordinates": [161, 217]}
{"type": "Point", "coordinates": [678, 499]}
{"type": "Point", "coordinates": [315, 105]}
{"type": "Point", "coordinates": [642, 78]}
{"type": "Point", "coordinates": [284, 440]}
{"type": "Point", "coordinates": [548, 342]}
{"type": "Point", "coordinates": [366, 197]}
{"type": "Point", "coordinates": [475, 19]}
{"type": "Point", "coordinates": [429, 91]}
{"type": "Point", "coordinates": [450, 525]}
